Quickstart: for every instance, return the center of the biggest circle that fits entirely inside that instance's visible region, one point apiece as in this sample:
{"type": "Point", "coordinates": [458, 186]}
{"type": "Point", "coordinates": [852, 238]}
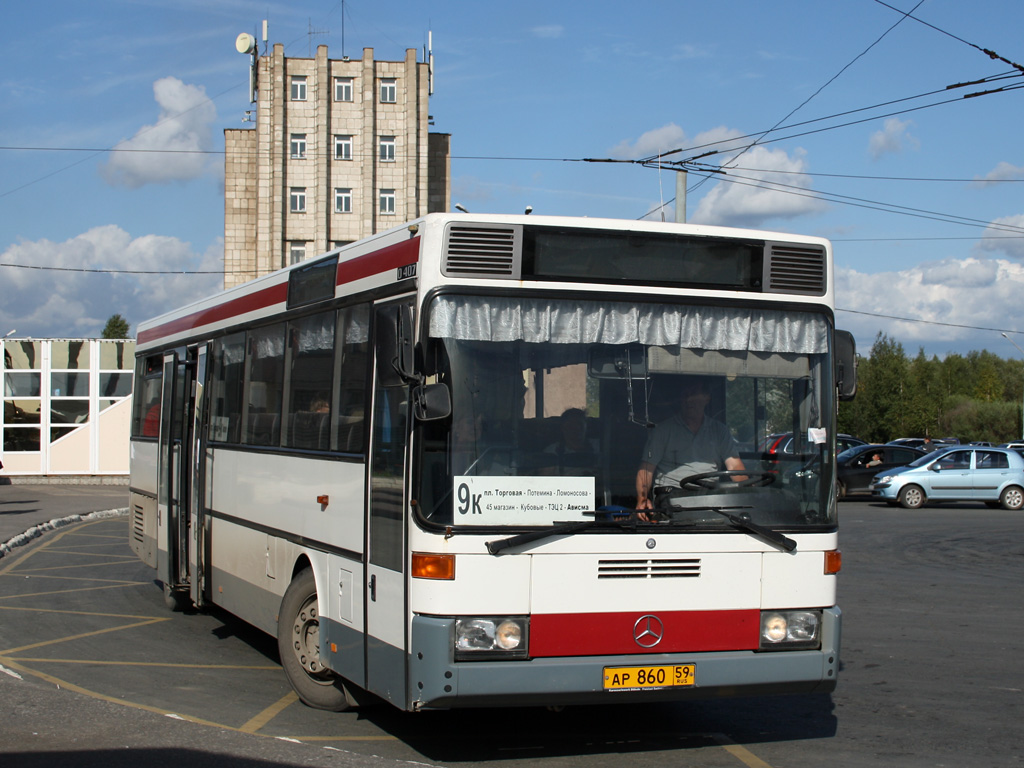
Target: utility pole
{"type": "Point", "coordinates": [1022, 401]}
{"type": "Point", "coordinates": [680, 197]}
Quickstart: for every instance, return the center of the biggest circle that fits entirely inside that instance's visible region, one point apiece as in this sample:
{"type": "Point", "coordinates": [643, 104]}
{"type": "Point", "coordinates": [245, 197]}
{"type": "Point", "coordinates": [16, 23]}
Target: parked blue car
{"type": "Point", "coordinates": [964, 473]}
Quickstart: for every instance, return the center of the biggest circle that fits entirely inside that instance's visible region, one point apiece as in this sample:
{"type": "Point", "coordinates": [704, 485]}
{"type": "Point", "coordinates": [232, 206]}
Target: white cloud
{"type": "Point", "coordinates": [1004, 171]}
{"type": "Point", "coordinates": [1004, 236]}
{"type": "Point", "coordinates": [185, 125]}
{"type": "Point", "coordinates": [744, 202]}
{"type": "Point", "coordinates": [970, 292]}
{"type": "Point", "coordinates": [47, 302]}
{"type": "Point", "coordinates": [892, 139]}
{"type": "Point", "coordinates": [548, 30]}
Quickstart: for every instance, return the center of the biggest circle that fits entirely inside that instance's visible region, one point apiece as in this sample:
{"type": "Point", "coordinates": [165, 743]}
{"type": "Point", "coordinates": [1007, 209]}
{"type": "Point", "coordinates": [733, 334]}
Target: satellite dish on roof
{"type": "Point", "coordinates": [245, 43]}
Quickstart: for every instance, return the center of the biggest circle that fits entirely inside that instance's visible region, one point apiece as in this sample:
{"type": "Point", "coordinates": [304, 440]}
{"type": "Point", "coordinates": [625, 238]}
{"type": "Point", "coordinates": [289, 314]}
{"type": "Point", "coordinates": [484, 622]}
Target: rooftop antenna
{"type": "Point", "coordinates": [430, 62]}
{"type": "Point", "coordinates": [246, 43]}
{"type": "Point", "coordinates": [312, 32]}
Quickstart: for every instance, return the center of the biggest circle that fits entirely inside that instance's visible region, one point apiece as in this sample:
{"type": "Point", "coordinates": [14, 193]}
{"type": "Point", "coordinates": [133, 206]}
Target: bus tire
{"type": "Point", "coordinates": [176, 600]}
{"type": "Point", "coordinates": [298, 642]}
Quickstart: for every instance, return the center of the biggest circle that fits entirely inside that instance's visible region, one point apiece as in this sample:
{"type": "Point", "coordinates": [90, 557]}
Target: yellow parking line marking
{"type": "Point", "coordinates": [102, 697]}
{"type": "Point", "coordinates": [742, 754]}
{"type": "Point", "coordinates": [96, 663]}
{"type": "Point", "coordinates": [59, 640]}
{"type": "Point", "coordinates": [34, 571]}
{"type": "Point", "coordinates": [269, 713]}
{"type": "Point", "coordinates": [82, 613]}
{"type": "Point", "coordinates": [197, 720]}
{"type": "Point", "coordinates": [77, 551]}
{"type": "Point", "coordinates": [69, 591]}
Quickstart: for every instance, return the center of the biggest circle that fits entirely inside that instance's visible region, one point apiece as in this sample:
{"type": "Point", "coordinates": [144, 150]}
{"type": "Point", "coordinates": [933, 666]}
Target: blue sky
{"type": "Point", "coordinates": [921, 194]}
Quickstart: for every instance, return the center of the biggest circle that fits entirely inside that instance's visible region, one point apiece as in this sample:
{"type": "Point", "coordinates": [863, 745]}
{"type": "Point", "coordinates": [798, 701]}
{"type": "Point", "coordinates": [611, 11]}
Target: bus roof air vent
{"type": "Point", "coordinates": [474, 250]}
{"type": "Point", "coordinates": [793, 268]}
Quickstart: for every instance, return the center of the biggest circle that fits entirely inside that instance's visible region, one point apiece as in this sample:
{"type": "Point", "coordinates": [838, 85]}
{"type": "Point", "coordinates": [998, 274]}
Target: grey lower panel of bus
{"type": "Point", "coordinates": [437, 682]}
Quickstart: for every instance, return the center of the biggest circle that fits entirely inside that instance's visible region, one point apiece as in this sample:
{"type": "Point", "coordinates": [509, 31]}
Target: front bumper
{"type": "Point", "coordinates": [437, 682]}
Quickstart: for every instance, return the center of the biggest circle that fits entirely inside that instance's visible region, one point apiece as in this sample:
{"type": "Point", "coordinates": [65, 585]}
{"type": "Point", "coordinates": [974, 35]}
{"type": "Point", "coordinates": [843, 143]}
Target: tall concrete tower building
{"type": "Point", "coordinates": [340, 150]}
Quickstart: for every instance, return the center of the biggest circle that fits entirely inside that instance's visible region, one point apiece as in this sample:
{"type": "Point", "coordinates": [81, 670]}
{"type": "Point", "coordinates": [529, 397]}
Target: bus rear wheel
{"type": "Point", "coordinates": [298, 642]}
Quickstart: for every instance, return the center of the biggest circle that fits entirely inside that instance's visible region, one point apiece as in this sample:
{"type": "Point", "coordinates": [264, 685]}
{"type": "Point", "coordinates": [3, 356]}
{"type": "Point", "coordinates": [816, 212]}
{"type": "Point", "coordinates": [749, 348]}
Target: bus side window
{"type": "Point", "coordinates": [351, 361]}
{"type": "Point", "coordinates": [263, 383]}
{"type": "Point", "coordinates": [226, 389]}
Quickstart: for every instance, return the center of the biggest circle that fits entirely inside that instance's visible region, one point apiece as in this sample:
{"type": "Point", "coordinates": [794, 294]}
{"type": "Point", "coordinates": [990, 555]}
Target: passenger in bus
{"type": "Point", "coordinates": [573, 454]}
{"type": "Point", "coordinates": [688, 443]}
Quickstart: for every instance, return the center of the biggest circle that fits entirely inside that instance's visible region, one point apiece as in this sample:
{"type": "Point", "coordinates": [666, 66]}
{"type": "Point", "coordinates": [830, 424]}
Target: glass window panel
{"type": "Point", "coordinates": [56, 433]}
{"type": "Point", "coordinates": [311, 343]}
{"type": "Point", "coordinates": [117, 355]}
{"type": "Point", "coordinates": [23, 354]}
{"type": "Point", "coordinates": [69, 354]}
{"type": "Point", "coordinates": [351, 370]}
{"type": "Point", "coordinates": [104, 404]}
{"type": "Point", "coordinates": [69, 384]}
{"type": "Point", "coordinates": [146, 404]}
{"type": "Point", "coordinates": [264, 382]}
{"type": "Point", "coordinates": [115, 384]}
{"type": "Point", "coordinates": [21, 411]}
{"type": "Point", "coordinates": [21, 439]}
{"type": "Point", "coordinates": [226, 388]}
{"type": "Point", "coordinates": [69, 411]}
{"type": "Point", "coordinates": [22, 384]}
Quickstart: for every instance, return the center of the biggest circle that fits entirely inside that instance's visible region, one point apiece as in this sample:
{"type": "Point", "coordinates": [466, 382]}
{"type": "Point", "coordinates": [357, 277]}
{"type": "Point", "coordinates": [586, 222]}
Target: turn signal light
{"type": "Point", "coordinates": [427, 566]}
{"type": "Point", "coordinates": [833, 561]}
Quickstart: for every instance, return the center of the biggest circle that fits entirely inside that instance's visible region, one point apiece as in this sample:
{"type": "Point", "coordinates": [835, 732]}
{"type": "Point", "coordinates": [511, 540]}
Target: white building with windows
{"type": "Point", "coordinates": [340, 150]}
{"type": "Point", "coordinates": [67, 406]}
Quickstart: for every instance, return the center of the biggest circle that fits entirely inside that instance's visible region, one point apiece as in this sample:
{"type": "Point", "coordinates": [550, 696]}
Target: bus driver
{"type": "Point", "coordinates": [689, 443]}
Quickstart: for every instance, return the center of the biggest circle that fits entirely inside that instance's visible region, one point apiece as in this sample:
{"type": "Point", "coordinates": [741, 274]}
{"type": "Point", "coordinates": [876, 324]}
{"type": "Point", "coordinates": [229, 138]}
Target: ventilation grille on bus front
{"type": "Point", "coordinates": [483, 251]}
{"type": "Point", "coordinates": [795, 269]}
{"type": "Point", "coordinates": [688, 568]}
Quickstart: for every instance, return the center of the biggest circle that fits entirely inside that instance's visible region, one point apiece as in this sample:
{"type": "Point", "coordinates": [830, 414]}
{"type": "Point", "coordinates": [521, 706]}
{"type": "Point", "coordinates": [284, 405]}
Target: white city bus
{"type": "Point", "coordinates": [361, 454]}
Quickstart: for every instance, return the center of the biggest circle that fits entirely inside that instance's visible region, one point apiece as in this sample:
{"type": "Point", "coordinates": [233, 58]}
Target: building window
{"type": "Point", "coordinates": [342, 200]}
{"type": "Point", "coordinates": [387, 202]}
{"type": "Point", "coordinates": [296, 252]}
{"type": "Point", "coordinates": [298, 89]}
{"type": "Point", "coordinates": [298, 146]}
{"type": "Point", "coordinates": [298, 200]}
{"type": "Point", "coordinates": [342, 147]}
{"type": "Point", "coordinates": [343, 89]}
{"type": "Point", "coordinates": [388, 91]}
{"type": "Point", "coordinates": [387, 149]}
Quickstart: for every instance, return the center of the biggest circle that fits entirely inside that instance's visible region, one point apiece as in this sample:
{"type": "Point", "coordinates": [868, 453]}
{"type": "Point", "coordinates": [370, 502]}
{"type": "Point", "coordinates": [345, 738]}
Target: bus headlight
{"type": "Point", "coordinates": [784, 630]}
{"type": "Point", "coordinates": [491, 638]}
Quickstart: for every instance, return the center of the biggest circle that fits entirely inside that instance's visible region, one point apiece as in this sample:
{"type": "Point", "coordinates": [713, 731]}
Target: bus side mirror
{"type": "Point", "coordinates": [845, 349]}
{"type": "Point", "coordinates": [431, 402]}
{"type": "Point", "coordinates": [395, 345]}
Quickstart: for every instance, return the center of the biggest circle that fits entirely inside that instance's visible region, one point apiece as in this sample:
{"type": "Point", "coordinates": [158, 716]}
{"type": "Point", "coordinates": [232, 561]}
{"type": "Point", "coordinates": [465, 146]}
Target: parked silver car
{"type": "Point", "coordinates": [965, 473]}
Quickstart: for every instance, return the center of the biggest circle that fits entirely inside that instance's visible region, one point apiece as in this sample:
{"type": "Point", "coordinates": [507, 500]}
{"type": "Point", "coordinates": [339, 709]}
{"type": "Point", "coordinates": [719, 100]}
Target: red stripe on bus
{"type": "Point", "coordinates": [394, 256]}
{"type": "Point", "coordinates": [252, 302]}
{"type": "Point", "coordinates": [399, 255]}
{"type": "Point", "coordinates": [600, 634]}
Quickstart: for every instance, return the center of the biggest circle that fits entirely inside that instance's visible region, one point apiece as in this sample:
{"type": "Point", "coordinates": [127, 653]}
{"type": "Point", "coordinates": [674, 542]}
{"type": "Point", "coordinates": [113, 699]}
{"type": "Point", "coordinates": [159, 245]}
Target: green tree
{"type": "Point", "coordinates": [116, 328]}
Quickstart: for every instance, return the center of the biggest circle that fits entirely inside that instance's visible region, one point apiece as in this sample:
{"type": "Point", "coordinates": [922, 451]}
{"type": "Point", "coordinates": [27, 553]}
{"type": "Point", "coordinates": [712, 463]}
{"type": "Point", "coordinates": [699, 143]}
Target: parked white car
{"type": "Point", "coordinates": [965, 473]}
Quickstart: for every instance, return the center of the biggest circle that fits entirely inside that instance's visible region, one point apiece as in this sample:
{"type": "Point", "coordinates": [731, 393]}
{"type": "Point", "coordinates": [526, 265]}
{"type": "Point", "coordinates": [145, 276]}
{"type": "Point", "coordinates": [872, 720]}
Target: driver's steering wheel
{"type": "Point", "coordinates": [711, 480]}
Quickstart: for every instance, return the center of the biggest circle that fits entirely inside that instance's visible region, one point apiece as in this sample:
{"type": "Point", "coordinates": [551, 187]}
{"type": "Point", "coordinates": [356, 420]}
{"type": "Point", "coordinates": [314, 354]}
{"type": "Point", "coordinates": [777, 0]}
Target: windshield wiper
{"type": "Point", "coordinates": [559, 529]}
{"type": "Point", "coordinates": [745, 523]}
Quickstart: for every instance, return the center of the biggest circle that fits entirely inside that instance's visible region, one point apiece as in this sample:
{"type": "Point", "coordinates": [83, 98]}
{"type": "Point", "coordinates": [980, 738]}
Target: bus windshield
{"type": "Point", "coordinates": [558, 402]}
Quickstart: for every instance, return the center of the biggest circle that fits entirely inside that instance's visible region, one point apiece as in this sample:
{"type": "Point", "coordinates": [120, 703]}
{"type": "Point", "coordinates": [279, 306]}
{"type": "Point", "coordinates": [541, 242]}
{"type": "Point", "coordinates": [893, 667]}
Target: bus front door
{"type": "Point", "coordinates": [179, 496]}
{"type": "Point", "coordinates": [385, 570]}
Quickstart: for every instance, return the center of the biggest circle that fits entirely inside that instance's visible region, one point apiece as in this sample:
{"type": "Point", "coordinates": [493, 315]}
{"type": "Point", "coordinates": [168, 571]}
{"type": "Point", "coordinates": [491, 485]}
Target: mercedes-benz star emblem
{"type": "Point", "coordinates": [648, 631]}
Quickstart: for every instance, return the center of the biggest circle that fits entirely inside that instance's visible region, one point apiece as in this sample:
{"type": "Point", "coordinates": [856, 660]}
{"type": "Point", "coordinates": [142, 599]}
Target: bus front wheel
{"type": "Point", "coordinates": [298, 642]}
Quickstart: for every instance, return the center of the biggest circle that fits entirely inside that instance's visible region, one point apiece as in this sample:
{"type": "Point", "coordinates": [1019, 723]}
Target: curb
{"type": "Point", "coordinates": [38, 530]}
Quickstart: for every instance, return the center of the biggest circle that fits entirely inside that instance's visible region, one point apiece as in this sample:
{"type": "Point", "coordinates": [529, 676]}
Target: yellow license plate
{"type": "Point", "coordinates": [649, 678]}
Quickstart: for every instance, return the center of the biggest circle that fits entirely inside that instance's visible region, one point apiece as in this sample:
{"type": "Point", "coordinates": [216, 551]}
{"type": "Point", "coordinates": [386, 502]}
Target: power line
{"type": "Point", "coordinates": [115, 271]}
{"type": "Point", "coordinates": [927, 322]}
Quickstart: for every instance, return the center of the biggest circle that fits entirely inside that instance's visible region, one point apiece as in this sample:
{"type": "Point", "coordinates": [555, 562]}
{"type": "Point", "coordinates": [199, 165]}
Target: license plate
{"type": "Point", "coordinates": [649, 678]}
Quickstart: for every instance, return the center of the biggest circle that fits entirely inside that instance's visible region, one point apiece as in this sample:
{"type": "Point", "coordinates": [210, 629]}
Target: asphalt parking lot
{"type": "Point", "coordinates": [98, 672]}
